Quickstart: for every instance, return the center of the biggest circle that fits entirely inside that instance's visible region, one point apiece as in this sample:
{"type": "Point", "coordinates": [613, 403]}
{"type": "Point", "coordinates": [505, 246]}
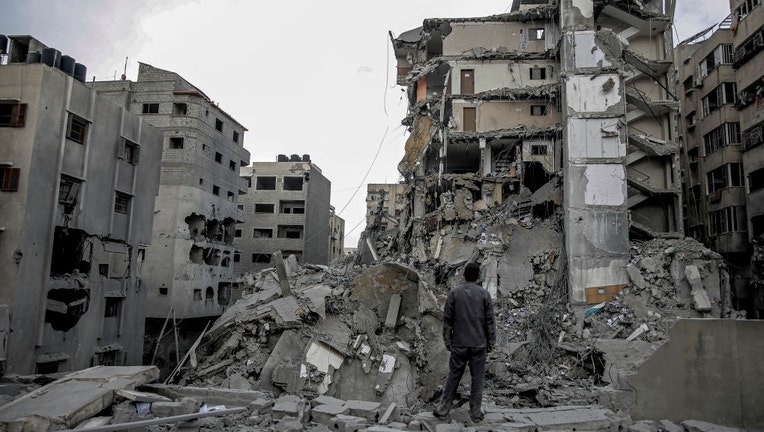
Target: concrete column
{"type": "Point", "coordinates": [594, 167]}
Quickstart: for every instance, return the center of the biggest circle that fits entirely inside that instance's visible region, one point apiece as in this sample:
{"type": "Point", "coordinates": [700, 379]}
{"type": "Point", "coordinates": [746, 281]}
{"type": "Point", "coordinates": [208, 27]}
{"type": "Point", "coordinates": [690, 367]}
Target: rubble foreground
{"type": "Point", "coordinates": [358, 346]}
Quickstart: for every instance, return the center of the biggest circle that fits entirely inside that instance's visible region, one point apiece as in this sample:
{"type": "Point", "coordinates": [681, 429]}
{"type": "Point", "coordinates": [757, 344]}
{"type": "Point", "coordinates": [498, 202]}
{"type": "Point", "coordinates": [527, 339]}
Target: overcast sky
{"type": "Point", "coordinates": [304, 76]}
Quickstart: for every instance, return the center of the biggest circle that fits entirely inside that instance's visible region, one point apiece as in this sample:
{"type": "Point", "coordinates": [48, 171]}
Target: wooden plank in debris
{"type": "Point", "coordinates": [596, 295]}
{"type": "Point", "coordinates": [278, 260]}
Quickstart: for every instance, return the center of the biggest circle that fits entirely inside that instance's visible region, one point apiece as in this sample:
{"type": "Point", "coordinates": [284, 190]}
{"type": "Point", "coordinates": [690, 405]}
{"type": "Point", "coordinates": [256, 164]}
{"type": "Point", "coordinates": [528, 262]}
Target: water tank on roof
{"type": "Point", "coordinates": [282, 158]}
{"type": "Point", "coordinates": [80, 72]}
{"type": "Point", "coordinates": [306, 158]}
{"type": "Point", "coordinates": [3, 44]}
{"type": "Point", "coordinates": [67, 65]}
{"type": "Point", "coordinates": [294, 158]}
{"type": "Point", "coordinates": [50, 56]}
{"type": "Point", "coordinates": [33, 57]}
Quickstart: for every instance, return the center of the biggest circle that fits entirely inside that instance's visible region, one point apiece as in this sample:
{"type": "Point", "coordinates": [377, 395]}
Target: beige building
{"type": "Point", "coordinates": [336, 235]}
{"type": "Point", "coordinates": [723, 129]}
{"type": "Point", "coordinates": [287, 210]}
{"type": "Point", "coordinates": [500, 106]}
{"type": "Point", "coordinates": [79, 177]}
{"type": "Point", "coordinates": [189, 265]}
{"type": "Point", "coordinates": [385, 203]}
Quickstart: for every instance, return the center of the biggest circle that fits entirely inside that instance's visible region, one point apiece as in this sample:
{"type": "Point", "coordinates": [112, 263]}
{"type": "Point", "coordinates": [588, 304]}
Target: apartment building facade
{"type": "Point", "coordinates": [580, 90]}
{"type": "Point", "coordinates": [722, 132]}
{"type": "Point", "coordinates": [189, 265]}
{"type": "Point", "coordinates": [287, 210]}
{"type": "Point", "coordinates": [79, 179]}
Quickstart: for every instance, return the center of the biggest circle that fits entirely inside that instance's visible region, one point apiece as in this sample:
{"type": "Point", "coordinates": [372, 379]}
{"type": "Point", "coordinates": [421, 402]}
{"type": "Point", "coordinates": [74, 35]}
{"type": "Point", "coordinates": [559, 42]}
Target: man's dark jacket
{"type": "Point", "coordinates": [468, 317]}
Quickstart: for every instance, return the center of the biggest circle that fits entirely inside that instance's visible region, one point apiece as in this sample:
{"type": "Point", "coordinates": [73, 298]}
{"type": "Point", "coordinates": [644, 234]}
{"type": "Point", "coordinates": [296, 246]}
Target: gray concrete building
{"type": "Point", "coordinates": [287, 210]}
{"type": "Point", "coordinates": [581, 91]}
{"type": "Point", "coordinates": [79, 177]}
{"type": "Point", "coordinates": [189, 265]}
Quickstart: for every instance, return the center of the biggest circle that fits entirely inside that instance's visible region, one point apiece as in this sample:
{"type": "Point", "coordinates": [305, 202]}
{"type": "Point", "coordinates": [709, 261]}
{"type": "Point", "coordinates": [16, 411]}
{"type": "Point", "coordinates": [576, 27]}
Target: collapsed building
{"type": "Point", "coordinates": [79, 177]}
{"type": "Point", "coordinates": [574, 97]}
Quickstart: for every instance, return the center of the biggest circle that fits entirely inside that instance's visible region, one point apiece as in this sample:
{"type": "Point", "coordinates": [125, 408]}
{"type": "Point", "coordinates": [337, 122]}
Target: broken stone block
{"type": "Point", "coordinates": [326, 400]}
{"type": "Point", "coordinates": [261, 406]}
{"type": "Point", "coordinates": [392, 311]}
{"type": "Point", "coordinates": [700, 300]}
{"type": "Point", "coordinates": [701, 426]}
{"type": "Point", "coordinates": [364, 409]}
{"type": "Point", "coordinates": [169, 409]}
{"type": "Point", "coordinates": [641, 426]}
{"type": "Point", "coordinates": [669, 426]}
{"type": "Point", "coordinates": [324, 414]}
{"type": "Point", "coordinates": [238, 382]}
{"type": "Point", "coordinates": [288, 405]}
{"type": "Point", "coordinates": [289, 424]}
{"type": "Point", "coordinates": [346, 423]}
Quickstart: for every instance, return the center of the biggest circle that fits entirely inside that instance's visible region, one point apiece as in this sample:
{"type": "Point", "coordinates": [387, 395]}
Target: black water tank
{"type": "Point", "coordinates": [80, 72]}
{"type": "Point", "coordinates": [294, 158]}
{"type": "Point", "coordinates": [33, 57]}
{"type": "Point", "coordinates": [282, 158]}
{"type": "Point", "coordinates": [306, 158]}
{"type": "Point", "coordinates": [3, 44]}
{"type": "Point", "coordinates": [67, 65]}
{"type": "Point", "coordinates": [51, 57]}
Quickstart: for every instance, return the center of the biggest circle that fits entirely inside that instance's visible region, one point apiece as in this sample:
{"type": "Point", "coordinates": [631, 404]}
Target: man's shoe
{"type": "Point", "coordinates": [439, 414]}
{"type": "Point", "coordinates": [477, 418]}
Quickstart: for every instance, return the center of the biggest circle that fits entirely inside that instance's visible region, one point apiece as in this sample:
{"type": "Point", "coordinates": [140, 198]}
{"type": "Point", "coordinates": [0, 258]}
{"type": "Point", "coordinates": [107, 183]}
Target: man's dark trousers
{"type": "Point", "coordinates": [460, 358]}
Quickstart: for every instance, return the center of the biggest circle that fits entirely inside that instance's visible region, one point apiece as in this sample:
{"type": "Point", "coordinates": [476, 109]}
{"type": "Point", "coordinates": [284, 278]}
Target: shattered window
{"type": "Point", "coordinates": [264, 208]}
{"type": "Point", "coordinates": [113, 305]}
{"type": "Point", "coordinates": [12, 114]}
{"type": "Point", "coordinates": [536, 34]}
{"type": "Point", "coordinates": [262, 233]}
{"type": "Point", "coordinates": [290, 231]}
{"type": "Point", "coordinates": [218, 157]}
{"type": "Point", "coordinates": [215, 190]}
{"type": "Point", "coordinates": [539, 150]}
{"type": "Point", "coordinates": [238, 233]}
{"type": "Point", "coordinates": [756, 180]}
{"type": "Point", "coordinates": [180, 109]}
{"type": "Point", "coordinates": [265, 183]}
{"type": "Point", "coordinates": [76, 129]}
{"type": "Point", "coordinates": [538, 73]}
{"type": "Point", "coordinates": [47, 368]}
{"type": "Point", "coordinates": [235, 136]}
{"type": "Point", "coordinates": [538, 110]}
{"type": "Point", "coordinates": [232, 165]}
{"type": "Point", "coordinates": [261, 258]}
{"type": "Point", "coordinates": [292, 207]}
{"type": "Point", "coordinates": [219, 125]}
{"type": "Point", "coordinates": [198, 294]}
{"type": "Point", "coordinates": [176, 143]}
{"type": "Point", "coordinates": [236, 257]}
{"type": "Point", "coordinates": [129, 151]}
{"type": "Point", "coordinates": [293, 183]}
{"type": "Point", "coordinates": [151, 108]}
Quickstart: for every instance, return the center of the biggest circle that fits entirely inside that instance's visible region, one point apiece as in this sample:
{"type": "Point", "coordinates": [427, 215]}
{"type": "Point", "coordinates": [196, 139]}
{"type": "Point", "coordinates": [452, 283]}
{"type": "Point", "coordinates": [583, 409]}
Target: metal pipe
{"type": "Point", "coordinates": [161, 420]}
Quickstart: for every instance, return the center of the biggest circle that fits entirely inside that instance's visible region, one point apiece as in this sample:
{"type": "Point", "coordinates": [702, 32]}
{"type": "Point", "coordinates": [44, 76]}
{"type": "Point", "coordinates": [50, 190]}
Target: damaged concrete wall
{"type": "Point", "coordinates": [705, 371]}
{"type": "Point", "coordinates": [75, 247]}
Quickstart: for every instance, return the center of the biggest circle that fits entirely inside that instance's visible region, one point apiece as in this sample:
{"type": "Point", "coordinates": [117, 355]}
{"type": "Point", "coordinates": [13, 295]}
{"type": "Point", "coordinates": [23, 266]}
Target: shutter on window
{"type": "Point", "coordinates": [10, 177]}
{"type": "Point", "coordinates": [19, 115]}
{"type": "Point", "coordinates": [136, 155]}
{"type": "Point", "coordinates": [73, 193]}
{"type": "Point", "coordinates": [121, 149]}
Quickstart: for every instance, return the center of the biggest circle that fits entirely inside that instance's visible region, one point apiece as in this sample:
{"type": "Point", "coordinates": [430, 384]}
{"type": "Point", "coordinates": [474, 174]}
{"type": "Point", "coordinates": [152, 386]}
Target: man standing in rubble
{"type": "Point", "coordinates": [469, 332]}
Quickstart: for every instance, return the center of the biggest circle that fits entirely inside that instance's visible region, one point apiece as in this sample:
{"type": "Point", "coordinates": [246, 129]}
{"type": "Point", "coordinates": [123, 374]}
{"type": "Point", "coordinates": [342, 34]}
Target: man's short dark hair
{"type": "Point", "coordinates": [472, 272]}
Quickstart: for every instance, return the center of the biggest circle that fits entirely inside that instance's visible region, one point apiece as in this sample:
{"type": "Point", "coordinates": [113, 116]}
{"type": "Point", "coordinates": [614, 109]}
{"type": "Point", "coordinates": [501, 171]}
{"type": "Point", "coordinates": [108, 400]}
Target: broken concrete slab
{"type": "Point", "coordinates": [392, 311]}
{"type": "Point", "coordinates": [289, 346]}
{"type": "Point", "coordinates": [346, 423]}
{"type": "Point", "coordinates": [137, 396]}
{"type": "Point", "coordinates": [325, 414]}
{"type": "Point", "coordinates": [701, 426]}
{"type": "Point", "coordinates": [289, 405]}
{"type": "Point", "coordinates": [210, 396]}
{"type": "Point", "coordinates": [364, 409]}
{"type": "Point", "coordinates": [74, 398]}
